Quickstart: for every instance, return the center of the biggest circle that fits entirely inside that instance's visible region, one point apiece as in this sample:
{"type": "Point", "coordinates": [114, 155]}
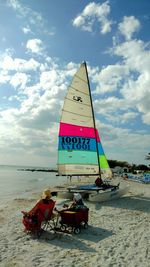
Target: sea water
{"type": "Point", "coordinates": [16, 182]}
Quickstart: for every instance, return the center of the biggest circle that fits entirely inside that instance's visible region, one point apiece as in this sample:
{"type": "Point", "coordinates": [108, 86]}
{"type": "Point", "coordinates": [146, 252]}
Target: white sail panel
{"type": "Point", "coordinates": [78, 108]}
{"type": "Point", "coordinates": [72, 118]}
{"type": "Point", "coordinates": [70, 169]}
{"type": "Point", "coordinates": [77, 105]}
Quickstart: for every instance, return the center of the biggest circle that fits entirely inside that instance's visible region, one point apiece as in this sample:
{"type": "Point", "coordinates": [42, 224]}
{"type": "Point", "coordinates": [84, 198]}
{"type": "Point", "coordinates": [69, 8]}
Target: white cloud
{"type": "Point", "coordinates": [19, 80]}
{"type": "Point", "coordinates": [109, 78]}
{"type": "Point", "coordinates": [94, 12]}
{"type": "Point", "coordinates": [135, 55]}
{"type": "Point", "coordinates": [35, 46]}
{"type": "Point", "coordinates": [109, 104]}
{"type": "Point", "coordinates": [115, 110]}
{"type": "Point", "coordinates": [4, 77]}
{"type": "Point", "coordinates": [26, 30]}
{"type": "Point", "coordinates": [33, 144]}
{"type": "Point", "coordinates": [117, 139]}
{"type": "Point", "coordinates": [130, 78]}
{"type": "Point", "coordinates": [136, 89]}
{"type": "Point", "coordinates": [17, 64]}
{"type": "Point", "coordinates": [146, 118]}
{"type": "Point", "coordinates": [128, 26]}
{"type": "Point", "coordinates": [34, 18]}
{"type": "Point", "coordinates": [34, 21]}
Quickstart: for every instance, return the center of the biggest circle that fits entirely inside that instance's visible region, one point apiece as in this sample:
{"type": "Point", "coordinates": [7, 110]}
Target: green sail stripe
{"type": "Point", "coordinates": [103, 162]}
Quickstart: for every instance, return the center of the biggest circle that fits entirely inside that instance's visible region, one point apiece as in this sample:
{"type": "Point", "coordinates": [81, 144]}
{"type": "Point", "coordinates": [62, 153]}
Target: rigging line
{"type": "Point", "coordinates": [77, 114]}
{"type": "Point", "coordinates": [93, 118]}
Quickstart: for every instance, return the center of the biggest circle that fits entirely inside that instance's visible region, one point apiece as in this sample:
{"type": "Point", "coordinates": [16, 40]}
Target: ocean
{"type": "Point", "coordinates": [15, 183]}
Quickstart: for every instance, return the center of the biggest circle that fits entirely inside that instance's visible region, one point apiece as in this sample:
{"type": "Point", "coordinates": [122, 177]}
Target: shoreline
{"type": "Point", "coordinates": [117, 235]}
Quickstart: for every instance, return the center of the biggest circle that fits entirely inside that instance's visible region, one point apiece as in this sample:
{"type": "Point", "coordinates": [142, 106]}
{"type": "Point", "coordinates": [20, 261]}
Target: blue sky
{"type": "Point", "coordinates": [42, 45]}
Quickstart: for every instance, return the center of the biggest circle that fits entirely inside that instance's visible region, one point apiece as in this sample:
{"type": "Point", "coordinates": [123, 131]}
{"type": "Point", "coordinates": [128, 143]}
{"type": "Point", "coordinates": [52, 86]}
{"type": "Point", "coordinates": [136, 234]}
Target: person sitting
{"type": "Point", "coordinates": [99, 182]}
{"type": "Point", "coordinates": [75, 205]}
{"type": "Point", "coordinates": [37, 214]}
{"type": "Point", "coordinates": [77, 202]}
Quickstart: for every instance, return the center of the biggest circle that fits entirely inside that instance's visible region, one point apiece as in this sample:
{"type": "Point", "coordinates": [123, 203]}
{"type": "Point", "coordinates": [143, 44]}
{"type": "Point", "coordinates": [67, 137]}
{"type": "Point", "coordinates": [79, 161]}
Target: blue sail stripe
{"type": "Point", "coordinates": [70, 143]}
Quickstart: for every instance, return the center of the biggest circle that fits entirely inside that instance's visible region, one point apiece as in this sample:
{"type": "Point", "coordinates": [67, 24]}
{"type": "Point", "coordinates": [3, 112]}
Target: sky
{"type": "Point", "coordinates": [42, 45]}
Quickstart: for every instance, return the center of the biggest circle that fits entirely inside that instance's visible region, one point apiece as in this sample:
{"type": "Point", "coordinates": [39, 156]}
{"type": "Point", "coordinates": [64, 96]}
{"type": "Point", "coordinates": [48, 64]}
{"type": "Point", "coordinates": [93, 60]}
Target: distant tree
{"type": "Point", "coordinates": [133, 168]}
{"type": "Point", "coordinates": [142, 167]}
{"type": "Point", "coordinates": [114, 163]}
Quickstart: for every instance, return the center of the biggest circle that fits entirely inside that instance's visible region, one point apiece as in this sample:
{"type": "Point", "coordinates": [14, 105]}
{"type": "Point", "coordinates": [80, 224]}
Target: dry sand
{"type": "Point", "coordinates": [118, 235]}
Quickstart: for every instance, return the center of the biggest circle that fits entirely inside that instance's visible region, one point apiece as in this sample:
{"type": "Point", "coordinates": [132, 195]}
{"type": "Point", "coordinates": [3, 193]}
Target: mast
{"type": "Point", "coordinates": [93, 119]}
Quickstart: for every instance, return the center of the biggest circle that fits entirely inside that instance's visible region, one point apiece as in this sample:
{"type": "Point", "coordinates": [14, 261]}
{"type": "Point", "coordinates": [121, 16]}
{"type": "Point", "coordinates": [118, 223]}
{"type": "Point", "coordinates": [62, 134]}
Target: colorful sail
{"type": "Point", "coordinates": [79, 150]}
{"type": "Point", "coordinates": [104, 166]}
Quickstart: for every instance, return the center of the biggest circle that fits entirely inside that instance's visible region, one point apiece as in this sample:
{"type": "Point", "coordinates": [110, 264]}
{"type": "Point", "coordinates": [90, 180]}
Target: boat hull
{"type": "Point", "coordinates": [102, 196]}
{"type": "Point", "coordinates": [65, 194]}
{"type": "Point", "coordinates": [95, 196]}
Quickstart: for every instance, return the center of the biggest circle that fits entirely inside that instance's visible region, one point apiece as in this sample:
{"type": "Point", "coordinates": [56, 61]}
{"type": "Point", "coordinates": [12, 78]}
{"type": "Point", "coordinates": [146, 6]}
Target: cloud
{"type": "Point", "coordinates": [109, 79]}
{"type": "Point", "coordinates": [27, 142]}
{"type": "Point", "coordinates": [35, 46]}
{"type": "Point", "coordinates": [93, 13]}
{"type": "Point", "coordinates": [136, 88]}
{"type": "Point", "coordinates": [33, 20]}
{"type": "Point", "coordinates": [19, 79]}
{"type": "Point", "coordinates": [4, 77]}
{"type": "Point", "coordinates": [26, 30]}
{"type": "Point", "coordinates": [146, 118]}
{"type": "Point", "coordinates": [26, 12]}
{"type": "Point", "coordinates": [32, 124]}
{"type": "Point", "coordinates": [129, 79]}
{"type": "Point", "coordinates": [128, 26]}
{"type": "Point", "coordinates": [37, 89]}
{"type": "Point", "coordinates": [115, 110]}
{"type": "Point", "coordinates": [8, 63]}
{"type": "Point", "coordinates": [117, 139]}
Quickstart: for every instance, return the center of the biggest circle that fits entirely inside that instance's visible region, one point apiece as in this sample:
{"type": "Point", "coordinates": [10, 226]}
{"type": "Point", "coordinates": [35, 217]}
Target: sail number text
{"type": "Point", "coordinates": [77, 143]}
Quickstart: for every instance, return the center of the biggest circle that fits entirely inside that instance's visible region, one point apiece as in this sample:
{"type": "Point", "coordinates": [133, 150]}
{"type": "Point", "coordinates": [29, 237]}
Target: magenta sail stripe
{"type": "Point", "coordinates": [74, 130]}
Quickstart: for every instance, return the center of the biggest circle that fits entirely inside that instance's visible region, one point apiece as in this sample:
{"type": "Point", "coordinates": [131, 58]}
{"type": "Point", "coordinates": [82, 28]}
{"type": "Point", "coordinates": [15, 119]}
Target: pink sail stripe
{"type": "Point", "coordinates": [74, 130]}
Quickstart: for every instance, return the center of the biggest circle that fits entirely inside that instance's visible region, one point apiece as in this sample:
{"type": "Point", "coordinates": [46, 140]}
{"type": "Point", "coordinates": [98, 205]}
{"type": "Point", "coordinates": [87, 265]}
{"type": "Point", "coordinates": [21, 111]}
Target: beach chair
{"type": "Point", "coordinates": [42, 219]}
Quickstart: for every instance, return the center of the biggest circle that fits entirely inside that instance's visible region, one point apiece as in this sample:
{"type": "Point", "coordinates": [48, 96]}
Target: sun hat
{"type": "Point", "coordinates": [77, 196]}
{"type": "Point", "coordinates": [46, 194]}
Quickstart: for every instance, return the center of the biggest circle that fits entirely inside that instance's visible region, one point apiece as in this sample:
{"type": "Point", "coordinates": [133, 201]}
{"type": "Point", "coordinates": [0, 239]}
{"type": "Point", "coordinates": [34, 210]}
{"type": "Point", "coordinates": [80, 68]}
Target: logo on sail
{"type": "Point", "coordinates": [77, 98]}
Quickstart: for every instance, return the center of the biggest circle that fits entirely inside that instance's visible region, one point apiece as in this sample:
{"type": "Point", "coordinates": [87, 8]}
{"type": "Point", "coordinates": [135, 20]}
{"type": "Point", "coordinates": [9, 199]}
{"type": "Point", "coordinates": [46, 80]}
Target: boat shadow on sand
{"type": "Point", "coordinates": [136, 203]}
{"type": "Point", "coordinates": [72, 241]}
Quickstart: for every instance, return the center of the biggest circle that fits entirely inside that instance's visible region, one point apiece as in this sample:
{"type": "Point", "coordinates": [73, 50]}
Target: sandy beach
{"type": "Point", "coordinates": [118, 235]}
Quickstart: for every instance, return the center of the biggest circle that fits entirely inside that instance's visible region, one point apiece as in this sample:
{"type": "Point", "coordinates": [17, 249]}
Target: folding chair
{"type": "Point", "coordinates": [43, 217]}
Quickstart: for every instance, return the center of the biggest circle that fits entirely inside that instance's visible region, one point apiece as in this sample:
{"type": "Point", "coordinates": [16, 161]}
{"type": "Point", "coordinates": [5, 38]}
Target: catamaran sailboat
{"type": "Point", "coordinates": [80, 151]}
